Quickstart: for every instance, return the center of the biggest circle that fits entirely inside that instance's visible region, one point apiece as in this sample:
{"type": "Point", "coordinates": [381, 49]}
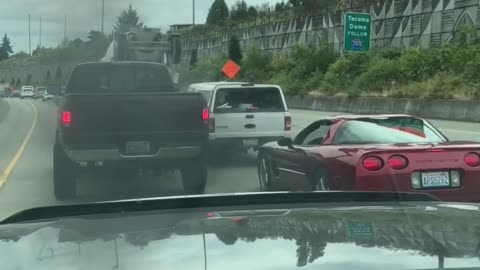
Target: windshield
{"type": "Point", "coordinates": [140, 100]}
{"type": "Point", "coordinates": [392, 130]}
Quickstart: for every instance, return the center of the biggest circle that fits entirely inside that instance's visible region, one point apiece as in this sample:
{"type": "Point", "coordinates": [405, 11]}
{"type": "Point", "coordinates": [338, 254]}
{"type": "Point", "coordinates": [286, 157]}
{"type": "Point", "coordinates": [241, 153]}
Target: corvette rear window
{"type": "Point", "coordinates": [366, 132]}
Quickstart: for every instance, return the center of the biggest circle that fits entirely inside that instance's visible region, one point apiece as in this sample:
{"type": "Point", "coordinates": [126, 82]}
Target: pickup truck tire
{"type": "Point", "coordinates": [194, 177]}
{"type": "Point", "coordinates": [64, 175]}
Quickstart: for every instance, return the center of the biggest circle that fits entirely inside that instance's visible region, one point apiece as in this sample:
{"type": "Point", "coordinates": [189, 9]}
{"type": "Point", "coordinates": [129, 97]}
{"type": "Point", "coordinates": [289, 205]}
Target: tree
{"type": "Point", "coordinates": [5, 48]}
{"type": "Point", "coordinates": [234, 50]}
{"type": "Point", "coordinates": [252, 12]}
{"type": "Point", "coordinates": [218, 13]}
{"type": "Point", "coordinates": [29, 78]}
{"type": "Point", "coordinates": [239, 11]}
{"type": "Point", "coordinates": [127, 20]}
{"type": "Point", "coordinates": [96, 36]}
{"type": "Point", "coordinates": [18, 83]}
{"type": "Point", "coordinates": [193, 58]}
{"type": "Point", "coordinates": [58, 75]}
{"type": "Point", "coordinates": [48, 76]}
{"type": "Point", "coordinates": [36, 51]}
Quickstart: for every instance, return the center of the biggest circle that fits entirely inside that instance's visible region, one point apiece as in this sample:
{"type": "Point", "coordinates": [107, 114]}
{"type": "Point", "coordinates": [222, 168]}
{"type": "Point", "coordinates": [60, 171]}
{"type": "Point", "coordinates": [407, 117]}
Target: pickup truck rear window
{"type": "Point", "coordinates": [120, 79]}
{"type": "Point", "coordinates": [252, 99]}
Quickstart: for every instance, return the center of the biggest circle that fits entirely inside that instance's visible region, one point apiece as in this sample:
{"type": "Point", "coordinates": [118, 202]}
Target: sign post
{"type": "Point", "coordinates": [357, 31]}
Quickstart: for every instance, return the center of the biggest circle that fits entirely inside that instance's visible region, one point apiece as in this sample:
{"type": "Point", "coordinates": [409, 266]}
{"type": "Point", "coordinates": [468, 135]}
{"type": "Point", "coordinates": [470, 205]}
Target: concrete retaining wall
{"type": "Point", "coordinates": [462, 110]}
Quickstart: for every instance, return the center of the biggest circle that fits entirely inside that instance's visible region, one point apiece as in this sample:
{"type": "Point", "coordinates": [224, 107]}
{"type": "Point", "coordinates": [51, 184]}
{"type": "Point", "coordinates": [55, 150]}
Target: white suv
{"type": "Point", "coordinates": [244, 116]}
{"type": "Point", "coordinates": [27, 91]}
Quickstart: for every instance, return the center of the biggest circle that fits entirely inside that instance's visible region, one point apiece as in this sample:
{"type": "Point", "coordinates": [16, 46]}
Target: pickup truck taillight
{"type": "Point", "coordinates": [288, 123]}
{"type": "Point", "coordinates": [66, 118]}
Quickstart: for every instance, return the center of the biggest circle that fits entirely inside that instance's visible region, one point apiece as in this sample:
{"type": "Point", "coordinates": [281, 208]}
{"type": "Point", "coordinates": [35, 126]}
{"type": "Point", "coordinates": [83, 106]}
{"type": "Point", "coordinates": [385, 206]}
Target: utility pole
{"type": "Point", "coordinates": [103, 15]}
{"type": "Point", "coordinates": [29, 37]}
{"type": "Point", "coordinates": [40, 35]}
{"type": "Point", "coordinates": [65, 29]}
{"type": "Point", "coordinates": [193, 10]}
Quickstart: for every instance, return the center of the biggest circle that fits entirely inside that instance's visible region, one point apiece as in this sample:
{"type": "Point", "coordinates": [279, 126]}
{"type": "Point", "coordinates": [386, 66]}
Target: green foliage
{"type": "Point", "coordinates": [204, 70]}
{"type": "Point", "coordinates": [127, 20]}
{"type": "Point", "coordinates": [5, 48]}
{"type": "Point", "coordinates": [234, 50]}
{"type": "Point", "coordinates": [256, 66]}
{"type": "Point", "coordinates": [218, 13]}
{"type": "Point", "coordinates": [380, 75]}
{"type": "Point", "coordinates": [340, 74]}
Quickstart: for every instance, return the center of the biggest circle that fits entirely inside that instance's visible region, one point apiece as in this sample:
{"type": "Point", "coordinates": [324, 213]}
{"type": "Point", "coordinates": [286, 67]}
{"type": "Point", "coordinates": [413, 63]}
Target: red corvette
{"type": "Point", "coordinates": [373, 153]}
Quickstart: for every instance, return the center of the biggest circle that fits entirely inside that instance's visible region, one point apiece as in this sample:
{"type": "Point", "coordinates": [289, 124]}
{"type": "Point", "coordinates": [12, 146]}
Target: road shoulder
{"type": "Point", "coordinates": [4, 109]}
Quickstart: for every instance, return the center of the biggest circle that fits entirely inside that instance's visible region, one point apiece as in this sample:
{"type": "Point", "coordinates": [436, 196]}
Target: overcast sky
{"type": "Point", "coordinates": [85, 15]}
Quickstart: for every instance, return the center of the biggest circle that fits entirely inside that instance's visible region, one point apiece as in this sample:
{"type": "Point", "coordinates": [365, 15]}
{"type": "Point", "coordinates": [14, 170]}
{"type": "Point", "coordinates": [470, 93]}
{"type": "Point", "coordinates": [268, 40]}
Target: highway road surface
{"type": "Point", "coordinates": [26, 177]}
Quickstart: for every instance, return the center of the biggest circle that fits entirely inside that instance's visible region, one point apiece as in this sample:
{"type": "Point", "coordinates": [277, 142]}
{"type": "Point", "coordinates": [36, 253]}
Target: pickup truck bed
{"type": "Point", "coordinates": [129, 127]}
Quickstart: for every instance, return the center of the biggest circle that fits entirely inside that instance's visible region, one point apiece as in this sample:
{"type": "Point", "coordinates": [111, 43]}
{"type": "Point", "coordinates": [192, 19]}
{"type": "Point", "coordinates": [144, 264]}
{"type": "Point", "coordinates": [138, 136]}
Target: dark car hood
{"type": "Point", "coordinates": [411, 236]}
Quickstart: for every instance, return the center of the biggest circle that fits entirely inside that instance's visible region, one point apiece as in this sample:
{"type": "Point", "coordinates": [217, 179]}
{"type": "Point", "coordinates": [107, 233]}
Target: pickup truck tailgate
{"type": "Point", "coordinates": [112, 120]}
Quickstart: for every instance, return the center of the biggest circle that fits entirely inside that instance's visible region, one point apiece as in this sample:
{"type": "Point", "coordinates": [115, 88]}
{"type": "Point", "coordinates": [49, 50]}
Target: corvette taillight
{"type": "Point", "coordinates": [397, 162]}
{"type": "Point", "coordinates": [472, 159]}
{"type": "Point", "coordinates": [372, 163]}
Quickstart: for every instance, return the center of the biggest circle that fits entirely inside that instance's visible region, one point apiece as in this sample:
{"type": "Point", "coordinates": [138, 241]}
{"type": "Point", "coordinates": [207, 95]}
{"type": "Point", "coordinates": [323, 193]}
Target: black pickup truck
{"type": "Point", "coordinates": [128, 116]}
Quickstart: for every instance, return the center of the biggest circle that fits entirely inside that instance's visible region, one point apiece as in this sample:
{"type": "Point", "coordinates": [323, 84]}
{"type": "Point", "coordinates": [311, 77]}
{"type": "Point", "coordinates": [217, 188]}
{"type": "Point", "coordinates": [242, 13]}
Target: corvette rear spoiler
{"type": "Point", "coordinates": [240, 201]}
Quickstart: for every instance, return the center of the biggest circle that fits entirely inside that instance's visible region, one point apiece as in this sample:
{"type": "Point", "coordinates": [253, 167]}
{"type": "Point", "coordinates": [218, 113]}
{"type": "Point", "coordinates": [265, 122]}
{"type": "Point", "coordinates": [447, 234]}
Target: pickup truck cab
{"type": "Point", "coordinates": [243, 115]}
{"type": "Point", "coordinates": [129, 116]}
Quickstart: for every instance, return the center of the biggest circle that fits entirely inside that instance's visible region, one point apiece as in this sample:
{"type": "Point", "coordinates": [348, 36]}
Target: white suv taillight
{"type": "Point", "coordinates": [211, 124]}
{"type": "Point", "coordinates": [288, 123]}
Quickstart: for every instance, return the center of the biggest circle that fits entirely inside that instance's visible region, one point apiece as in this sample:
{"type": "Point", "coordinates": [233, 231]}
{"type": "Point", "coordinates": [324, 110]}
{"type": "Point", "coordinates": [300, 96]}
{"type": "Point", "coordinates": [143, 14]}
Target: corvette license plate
{"type": "Point", "coordinates": [435, 179]}
{"type": "Point", "coordinates": [138, 148]}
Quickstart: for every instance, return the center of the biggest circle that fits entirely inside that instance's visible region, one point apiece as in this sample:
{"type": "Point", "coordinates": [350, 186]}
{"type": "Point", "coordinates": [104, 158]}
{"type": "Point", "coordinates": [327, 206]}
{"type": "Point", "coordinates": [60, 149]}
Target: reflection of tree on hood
{"type": "Point", "coordinates": [227, 237]}
{"type": "Point", "coordinates": [308, 250]}
{"type": "Point", "coordinates": [142, 239]}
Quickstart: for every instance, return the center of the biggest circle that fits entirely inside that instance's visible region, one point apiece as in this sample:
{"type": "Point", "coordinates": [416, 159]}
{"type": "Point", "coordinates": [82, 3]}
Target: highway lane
{"type": "Point", "coordinates": [30, 183]}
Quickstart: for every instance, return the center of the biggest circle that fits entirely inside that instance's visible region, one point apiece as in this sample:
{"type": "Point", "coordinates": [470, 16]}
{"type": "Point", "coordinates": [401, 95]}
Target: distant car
{"type": "Point", "coordinates": [46, 96]}
{"type": "Point", "coordinates": [27, 91]}
{"type": "Point", "coordinates": [16, 93]}
{"type": "Point", "coordinates": [398, 153]}
{"type": "Point", "coordinates": [244, 115]}
{"type": "Point", "coordinates": [39, 91]}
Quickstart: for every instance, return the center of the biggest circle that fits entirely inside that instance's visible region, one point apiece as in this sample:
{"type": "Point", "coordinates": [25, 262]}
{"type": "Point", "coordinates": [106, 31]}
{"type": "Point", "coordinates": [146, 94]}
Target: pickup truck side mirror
{"type": "Point", "coordinates": [286, 142]}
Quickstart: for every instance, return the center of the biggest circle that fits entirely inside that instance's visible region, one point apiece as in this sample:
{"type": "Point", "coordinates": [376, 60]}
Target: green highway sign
{"type": "Point", "coordinates": [360, 230]}
{"type": "Point", "coordinates": [357, 32]}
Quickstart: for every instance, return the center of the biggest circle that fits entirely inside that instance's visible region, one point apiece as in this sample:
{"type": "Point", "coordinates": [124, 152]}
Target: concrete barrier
{"type": "Point", "coordinates": [462, 110]}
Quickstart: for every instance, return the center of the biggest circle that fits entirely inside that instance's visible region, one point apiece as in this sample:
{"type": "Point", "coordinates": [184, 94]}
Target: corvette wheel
{"type": "Point", "coordinates": [264, 175]}
{"type": "Point", "coordinates": [321, 181]}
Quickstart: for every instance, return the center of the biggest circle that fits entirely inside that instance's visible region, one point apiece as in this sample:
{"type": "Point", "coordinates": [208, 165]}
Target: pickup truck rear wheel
{"type": "Point", "coordinates": [64, 175]}
{"type": "Point", "coordinates": [194, 177]}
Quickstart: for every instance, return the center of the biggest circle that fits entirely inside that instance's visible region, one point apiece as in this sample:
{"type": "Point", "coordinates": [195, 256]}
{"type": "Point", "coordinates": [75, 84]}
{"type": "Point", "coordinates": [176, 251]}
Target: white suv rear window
{"type": "Point", "coordinates": [252, 99]}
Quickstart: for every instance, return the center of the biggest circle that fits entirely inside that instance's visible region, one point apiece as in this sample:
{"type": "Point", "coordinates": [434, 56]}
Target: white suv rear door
{"type": "Point", "coordinates": [249, 112]}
